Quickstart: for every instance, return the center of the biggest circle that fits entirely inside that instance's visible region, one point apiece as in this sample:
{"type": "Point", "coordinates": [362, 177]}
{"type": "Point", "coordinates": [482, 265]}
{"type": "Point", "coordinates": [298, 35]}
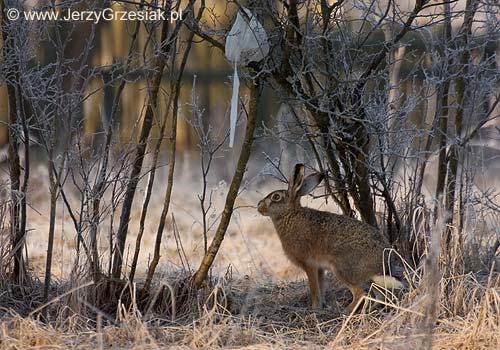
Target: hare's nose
{"type": "Point", "coordinates": [261, 206]}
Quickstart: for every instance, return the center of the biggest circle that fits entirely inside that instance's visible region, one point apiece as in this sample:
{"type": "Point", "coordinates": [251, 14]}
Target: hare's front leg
{"type": "Point", "coordinates": [314, 286]}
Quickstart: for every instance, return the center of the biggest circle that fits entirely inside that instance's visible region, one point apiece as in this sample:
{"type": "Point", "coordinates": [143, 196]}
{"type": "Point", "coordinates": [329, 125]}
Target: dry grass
{"type": "Point", "coordinates": [256, 299]}
{"type": "Point", "coordinates": [250, 314]}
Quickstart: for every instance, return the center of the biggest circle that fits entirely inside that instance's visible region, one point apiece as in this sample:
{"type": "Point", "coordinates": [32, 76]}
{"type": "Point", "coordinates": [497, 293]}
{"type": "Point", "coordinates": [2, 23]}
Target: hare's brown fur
{"type": "Point", "coordinates": [317, 240]}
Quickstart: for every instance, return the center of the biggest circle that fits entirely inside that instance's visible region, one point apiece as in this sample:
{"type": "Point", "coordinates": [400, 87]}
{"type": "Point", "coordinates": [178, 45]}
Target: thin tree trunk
{"type": "Point", "coordinates": [100, 186]}
{"type": "Point", "coordinates": [443, 105]}
{"type": "Point", "coordinates": [53, 179]}
{"type": "Point", "coordinates": [139, 154]}
{"type": "Point", "coordinates": [12, 81]}
{"type": "Point", "coordinates": [52, 223]}
{"type": "Point", "coordinates": [463, 73]}
{"type": "Point", "coordinates": [166, 43]}
{"type": "Point", "coordinates": [168, 194]}
{"type": "Point", "coordinates": [442, 135]}
{"type": "Point", "coordinates": [147, 198]}
{"type": "Point", "coordinates": [208, 259]}
{"type": "Point", "coordinates": [25, 109]}
{"type": "Point", "coordinates": [171, 165]}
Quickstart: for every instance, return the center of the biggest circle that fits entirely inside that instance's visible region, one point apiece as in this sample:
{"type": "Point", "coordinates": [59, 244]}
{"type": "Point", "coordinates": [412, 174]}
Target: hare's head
{"type": "Point", "coordinates": [277, 203]}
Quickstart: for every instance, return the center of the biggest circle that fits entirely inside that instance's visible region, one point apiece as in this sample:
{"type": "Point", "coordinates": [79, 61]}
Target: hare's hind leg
{"type": "Point", "coordinates": [357, 294]}
{"type": "Point", "coordinates": [321, 279]}
{"type": "Point", "coordinates": [314, 286]}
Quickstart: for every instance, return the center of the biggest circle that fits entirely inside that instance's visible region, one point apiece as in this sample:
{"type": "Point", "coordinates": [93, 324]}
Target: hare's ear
{"type": "Point", "coordinates": [296, 180]}
{"type": "Point", "coordinates": [310, 183]}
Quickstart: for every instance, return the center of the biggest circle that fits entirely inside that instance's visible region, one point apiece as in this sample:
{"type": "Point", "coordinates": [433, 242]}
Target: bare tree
{"type": "Point", "coordinates": [345, 80]}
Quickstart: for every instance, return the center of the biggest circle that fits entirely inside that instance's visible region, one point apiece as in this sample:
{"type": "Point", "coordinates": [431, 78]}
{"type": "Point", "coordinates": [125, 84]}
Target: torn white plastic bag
{"type": "Point", "coordinates": [246, 42]}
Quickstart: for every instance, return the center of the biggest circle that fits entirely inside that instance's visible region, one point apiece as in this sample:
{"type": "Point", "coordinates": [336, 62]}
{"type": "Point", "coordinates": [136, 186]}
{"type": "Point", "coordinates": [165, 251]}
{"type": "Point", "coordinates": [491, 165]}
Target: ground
{"type": "Point", "coordinates": [255, 299]}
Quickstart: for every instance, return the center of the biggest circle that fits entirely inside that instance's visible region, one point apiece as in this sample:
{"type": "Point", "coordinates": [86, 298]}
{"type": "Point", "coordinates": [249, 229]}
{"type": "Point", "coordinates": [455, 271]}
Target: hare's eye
{"type": "Point", "coordinates": [276, 197]}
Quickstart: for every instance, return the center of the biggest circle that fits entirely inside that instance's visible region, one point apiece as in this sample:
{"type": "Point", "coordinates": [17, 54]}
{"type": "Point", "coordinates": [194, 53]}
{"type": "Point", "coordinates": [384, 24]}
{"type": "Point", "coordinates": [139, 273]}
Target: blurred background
{"type": "Point", "coordinates": [211, 72]}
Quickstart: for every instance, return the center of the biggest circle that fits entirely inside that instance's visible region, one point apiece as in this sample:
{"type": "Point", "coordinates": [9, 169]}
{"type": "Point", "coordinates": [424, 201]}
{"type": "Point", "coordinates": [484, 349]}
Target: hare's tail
{"type": "Point", "coordinates": [389, 282]}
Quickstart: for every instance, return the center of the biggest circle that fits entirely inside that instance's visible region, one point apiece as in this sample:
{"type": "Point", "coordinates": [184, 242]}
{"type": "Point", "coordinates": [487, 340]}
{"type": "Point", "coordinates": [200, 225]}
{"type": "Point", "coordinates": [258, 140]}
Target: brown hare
{"type": "Point", "coordinates": [317, 240]}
